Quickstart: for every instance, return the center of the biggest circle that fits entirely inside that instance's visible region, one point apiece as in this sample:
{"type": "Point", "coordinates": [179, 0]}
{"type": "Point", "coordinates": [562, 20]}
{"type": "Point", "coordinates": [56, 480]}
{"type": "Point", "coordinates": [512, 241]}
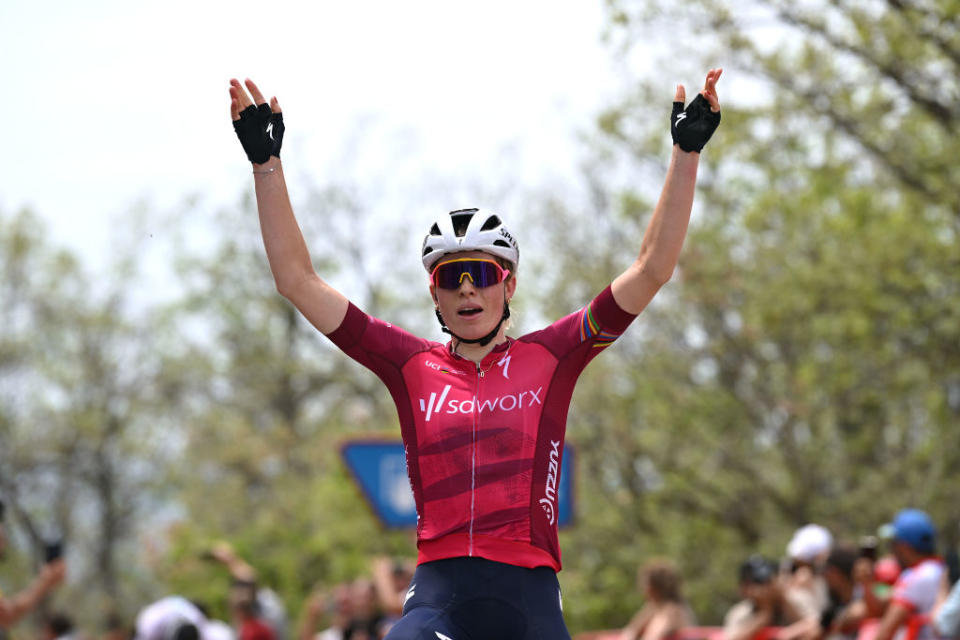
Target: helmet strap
{"type": "Point", "coordinates": [485, 340]}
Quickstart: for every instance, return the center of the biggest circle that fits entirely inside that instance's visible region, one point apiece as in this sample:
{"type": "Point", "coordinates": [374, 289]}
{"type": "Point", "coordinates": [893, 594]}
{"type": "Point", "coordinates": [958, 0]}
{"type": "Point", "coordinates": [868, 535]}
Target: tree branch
{"type": "Point", "coordinates": [944, 45]}
{"type": "Point", "coordinates": [892, 69]}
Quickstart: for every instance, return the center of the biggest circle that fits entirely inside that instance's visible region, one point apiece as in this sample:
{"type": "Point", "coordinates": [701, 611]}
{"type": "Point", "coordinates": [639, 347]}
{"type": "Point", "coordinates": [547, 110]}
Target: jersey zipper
{"type": "Point", "coordinates": [473, 461]}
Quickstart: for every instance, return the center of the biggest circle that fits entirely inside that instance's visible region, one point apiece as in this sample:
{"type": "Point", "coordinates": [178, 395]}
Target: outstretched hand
{"type": "Point", "coordinates": [691, 127]}
{"type": "Point", "coordinates": [259, 126]}
{"type": "Point", "coordinates": [53, 573]}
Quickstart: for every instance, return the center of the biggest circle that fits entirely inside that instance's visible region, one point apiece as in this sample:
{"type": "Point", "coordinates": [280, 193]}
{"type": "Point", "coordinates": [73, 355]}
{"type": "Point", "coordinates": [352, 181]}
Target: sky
{"type": "Point", "coordinates": [108, 103]}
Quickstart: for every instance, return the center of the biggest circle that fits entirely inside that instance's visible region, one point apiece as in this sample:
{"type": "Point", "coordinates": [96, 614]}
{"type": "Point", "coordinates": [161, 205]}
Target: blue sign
{"type": "Point", "coordinates": [380, 469]}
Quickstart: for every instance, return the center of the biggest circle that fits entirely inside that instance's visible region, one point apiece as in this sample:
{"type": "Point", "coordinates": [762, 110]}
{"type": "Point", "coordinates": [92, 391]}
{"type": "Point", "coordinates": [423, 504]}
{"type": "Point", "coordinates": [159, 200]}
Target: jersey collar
{"type": "Point", "coordinates": [500, 348]}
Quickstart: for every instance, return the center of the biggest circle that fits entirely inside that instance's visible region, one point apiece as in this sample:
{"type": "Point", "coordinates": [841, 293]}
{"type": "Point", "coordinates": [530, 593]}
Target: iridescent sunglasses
{"type": "Point", "coordinates": [482, 273]}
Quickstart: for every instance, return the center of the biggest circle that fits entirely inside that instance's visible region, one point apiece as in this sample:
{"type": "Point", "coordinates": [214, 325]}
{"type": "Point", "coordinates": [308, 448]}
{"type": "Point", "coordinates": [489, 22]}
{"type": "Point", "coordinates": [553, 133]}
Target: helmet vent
{"type": "Point", "coordinates": [461, 220]}
{"type": "Point", "coordinates": [469, 230]}
{"type": "Point", "coordinates": [492, 223]}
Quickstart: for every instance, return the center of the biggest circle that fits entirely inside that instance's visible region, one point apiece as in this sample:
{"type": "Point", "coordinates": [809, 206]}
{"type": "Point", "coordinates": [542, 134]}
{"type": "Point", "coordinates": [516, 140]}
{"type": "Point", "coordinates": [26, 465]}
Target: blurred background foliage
{"type": "Point", "coordinates": [803, 365]}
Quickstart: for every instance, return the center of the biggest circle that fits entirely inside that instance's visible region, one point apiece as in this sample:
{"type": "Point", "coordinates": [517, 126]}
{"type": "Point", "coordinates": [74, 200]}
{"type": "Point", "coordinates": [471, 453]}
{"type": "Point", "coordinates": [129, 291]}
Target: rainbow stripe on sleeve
{"type": "Point", "coordinates": [590, 330]}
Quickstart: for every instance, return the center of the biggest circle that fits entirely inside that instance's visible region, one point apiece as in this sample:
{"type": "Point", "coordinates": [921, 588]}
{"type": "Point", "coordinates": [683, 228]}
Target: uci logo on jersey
{"type": "Point", "coordinates": [507, 402]}
{"type": "Point", "coordinates": [442, 369]}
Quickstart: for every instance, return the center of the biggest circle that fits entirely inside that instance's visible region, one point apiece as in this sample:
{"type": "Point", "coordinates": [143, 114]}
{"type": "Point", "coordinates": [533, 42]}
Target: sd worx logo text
{"type": "Point", "coordinates": [507, 402]}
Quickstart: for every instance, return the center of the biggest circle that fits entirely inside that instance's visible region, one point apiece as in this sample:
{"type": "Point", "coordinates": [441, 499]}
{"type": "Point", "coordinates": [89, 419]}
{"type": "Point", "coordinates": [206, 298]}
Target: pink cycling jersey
{"type": "Point", "coordinates": [484, 442]}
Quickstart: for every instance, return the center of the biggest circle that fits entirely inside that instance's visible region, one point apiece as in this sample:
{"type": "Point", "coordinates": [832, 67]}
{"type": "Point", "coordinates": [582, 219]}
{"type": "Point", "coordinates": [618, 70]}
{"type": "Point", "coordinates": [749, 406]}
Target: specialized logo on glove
{"type": "Point", "coordinates": [260, 132]}
{"type": "Point", "coordinates": [693, 126]}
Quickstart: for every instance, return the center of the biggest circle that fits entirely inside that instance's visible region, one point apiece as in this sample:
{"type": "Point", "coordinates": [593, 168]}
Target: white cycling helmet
{"type": "Point", "coordinates": [469, 230]}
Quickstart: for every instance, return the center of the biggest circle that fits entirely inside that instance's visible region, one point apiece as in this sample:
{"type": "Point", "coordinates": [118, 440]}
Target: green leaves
{"type": "Point", "coordinates": [803, 365]}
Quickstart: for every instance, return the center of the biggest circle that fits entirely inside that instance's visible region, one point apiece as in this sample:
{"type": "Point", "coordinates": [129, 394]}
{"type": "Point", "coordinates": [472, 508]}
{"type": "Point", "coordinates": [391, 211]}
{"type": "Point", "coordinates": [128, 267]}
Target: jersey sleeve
{"type": "Point", "coordinates": [905, 595]}
{"type": "Point", "coordinates": [590, 330]}
{"type": "Point", "coordinates": [603, 321]}
{"type": "Point", "coordinates": [375, 344]}
{"type": "Point", "coordinates": [917, 588]}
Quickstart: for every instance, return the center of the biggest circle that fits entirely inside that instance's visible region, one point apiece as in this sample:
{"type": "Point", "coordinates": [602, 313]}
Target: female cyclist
{"type": "Point", "coordinates": [482, 417]}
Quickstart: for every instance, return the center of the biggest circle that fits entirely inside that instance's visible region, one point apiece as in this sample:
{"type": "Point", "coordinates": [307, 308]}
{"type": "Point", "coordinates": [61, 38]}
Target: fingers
{"type": "Point", "coordinates": [254, 91]}
{"type": "Point", "coordinates": [712, 76]}
{"type": "Point", "coordinates": [239, 100]}
{"type": "Point", "coordinates": [238, 93]}
{"type": "Point", "coordinates": [680, 95]}
{"type": "Point", "coordinates": [710, 89]}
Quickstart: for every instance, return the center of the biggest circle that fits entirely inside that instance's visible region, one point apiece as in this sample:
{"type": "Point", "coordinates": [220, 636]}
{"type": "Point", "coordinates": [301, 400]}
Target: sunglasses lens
{"type": "Point", "coordinates": [482, 273]}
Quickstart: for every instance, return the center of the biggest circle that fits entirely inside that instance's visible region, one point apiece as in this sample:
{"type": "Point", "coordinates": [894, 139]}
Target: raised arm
{"type": "Point", "coordinates": [660, 248]}
{"type": "Point", "coordinates": [11, 610]}
{"type": "Point", "coordinates": [260, 129]}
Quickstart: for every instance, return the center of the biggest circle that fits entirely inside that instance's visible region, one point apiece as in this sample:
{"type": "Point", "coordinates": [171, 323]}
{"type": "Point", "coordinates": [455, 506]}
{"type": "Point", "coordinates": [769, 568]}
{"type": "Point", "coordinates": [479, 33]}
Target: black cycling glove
{"type": "Point", "coordinates": [260, 132]}
{"type": "Point", "coordinates": [693, 126]}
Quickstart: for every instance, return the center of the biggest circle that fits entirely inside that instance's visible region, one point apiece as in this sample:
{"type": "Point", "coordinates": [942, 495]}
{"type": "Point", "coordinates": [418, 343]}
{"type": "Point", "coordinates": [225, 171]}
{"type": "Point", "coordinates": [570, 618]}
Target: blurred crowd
{"type": "Point", "coordinates": [892, 586]}
{"type": "Point", "coordinates": [822, 589]}
{"type": "Point", "coordinates": [362, 609]}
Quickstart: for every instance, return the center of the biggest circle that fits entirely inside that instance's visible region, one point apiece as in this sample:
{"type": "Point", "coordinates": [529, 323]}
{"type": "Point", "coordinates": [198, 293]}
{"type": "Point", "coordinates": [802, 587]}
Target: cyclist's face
{"type": "Point", "coordinates": [469, 311]}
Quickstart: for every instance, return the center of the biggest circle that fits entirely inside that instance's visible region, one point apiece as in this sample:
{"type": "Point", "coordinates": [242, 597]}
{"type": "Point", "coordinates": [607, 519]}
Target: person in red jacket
{"type": "Point", "coordinates": [483, 416]}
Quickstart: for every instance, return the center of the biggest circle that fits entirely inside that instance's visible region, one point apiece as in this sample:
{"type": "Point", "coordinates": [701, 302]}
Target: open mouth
{"type": "Point", "coordinates": [469, 311]}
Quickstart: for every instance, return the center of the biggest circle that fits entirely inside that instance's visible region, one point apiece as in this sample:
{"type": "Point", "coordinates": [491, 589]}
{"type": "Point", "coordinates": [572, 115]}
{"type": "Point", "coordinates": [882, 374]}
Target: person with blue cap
{"type": "Point", "coordinates": [913, 541]}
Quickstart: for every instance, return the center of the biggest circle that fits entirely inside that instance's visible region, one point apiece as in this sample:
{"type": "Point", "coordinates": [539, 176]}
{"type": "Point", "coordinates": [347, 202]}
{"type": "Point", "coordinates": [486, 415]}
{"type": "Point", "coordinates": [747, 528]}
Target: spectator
{"type": "Point", "coordinates": [338, 608]}
{"type": "Point", "coordinates": [915, 592]}
{"type": "Point", "coordinates": [114, 628]}
{"type": "Point", "coordinates": [842, 617]}
{"type": "Point", "coordinates": [766, 604]}
{"type": "Point", "coordinates": [246, 618]}
{"type": "Point", "coordinates": [212, 629]}
{"type": "Point", "coordinates": [807, 551]}
{"type": "Point", "coordinates": [268, 607]}
{"type": "Point", "coordinates": [876, 580]}
{"type": "Point", "coordinates": [368, 622]}
{"type": "Point", "coordinates": [56, 626]}
{"type": "Point", "coordinates": [15, 607]}
{"type": "Point", "coordinates": [665, 611]}
{"type": "Point", "coordinates": [952, 560]}
{"type": "Point", "coordinates": [946, 618]}
{"type": "Point", "coordinates": [392, 580]}
{"type": "Point", "coordinates": [172, 618]}
{"type": "Point", "coordinates": [885, 573]}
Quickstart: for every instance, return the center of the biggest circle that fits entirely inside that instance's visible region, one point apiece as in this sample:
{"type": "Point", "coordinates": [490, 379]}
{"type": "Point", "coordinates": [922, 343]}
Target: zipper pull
{"type": "Point", "coordinates": [480, 371]}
